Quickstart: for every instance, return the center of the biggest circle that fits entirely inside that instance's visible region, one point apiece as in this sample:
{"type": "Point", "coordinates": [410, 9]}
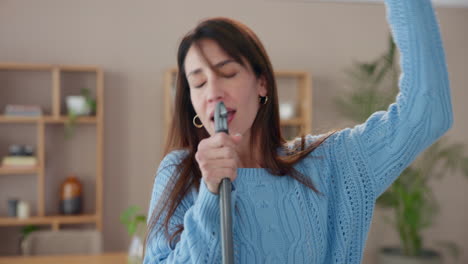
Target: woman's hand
{"type": "Point", "coordinates": [218, 158]}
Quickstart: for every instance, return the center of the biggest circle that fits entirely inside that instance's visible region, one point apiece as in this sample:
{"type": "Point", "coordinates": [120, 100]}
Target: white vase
{"type": "Point", "coordinates": [286, 111]}
{"type": "Point", "coordinates": [135, 251]}
{"type": "Point", "coordinates": [22, 210]}
{"type": "Point", "coordinates": [77, 105]}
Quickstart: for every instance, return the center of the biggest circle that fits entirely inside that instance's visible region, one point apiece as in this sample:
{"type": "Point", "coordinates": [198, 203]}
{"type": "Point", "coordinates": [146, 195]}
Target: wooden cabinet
{"type": "Point", "coordinates": [295, 101]}
{"type": "Point", "coordinates": [47, 86]}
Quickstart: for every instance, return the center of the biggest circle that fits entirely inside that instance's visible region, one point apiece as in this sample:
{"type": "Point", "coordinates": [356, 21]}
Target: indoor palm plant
{"type": "Point", "coordinates": [374, 86]}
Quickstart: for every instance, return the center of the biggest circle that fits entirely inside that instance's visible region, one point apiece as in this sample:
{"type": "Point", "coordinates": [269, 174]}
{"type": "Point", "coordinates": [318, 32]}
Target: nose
{"type": "Point", "coordinates": [215, 91]}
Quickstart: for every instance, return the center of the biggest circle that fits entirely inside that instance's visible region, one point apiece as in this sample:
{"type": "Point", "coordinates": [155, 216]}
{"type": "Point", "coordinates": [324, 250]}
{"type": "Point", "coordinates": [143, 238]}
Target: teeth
{"type": "Point", "coordinates": [228, 113]}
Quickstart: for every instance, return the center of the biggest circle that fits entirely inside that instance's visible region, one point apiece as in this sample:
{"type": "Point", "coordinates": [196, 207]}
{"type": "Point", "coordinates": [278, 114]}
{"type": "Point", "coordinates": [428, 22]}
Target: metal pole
{"type": "Point", "coordinates": [225, 189]}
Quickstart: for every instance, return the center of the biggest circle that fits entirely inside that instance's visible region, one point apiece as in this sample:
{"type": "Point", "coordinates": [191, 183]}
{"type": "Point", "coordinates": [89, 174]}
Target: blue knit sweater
{"type": "Point", "coordinates": [280, 220]}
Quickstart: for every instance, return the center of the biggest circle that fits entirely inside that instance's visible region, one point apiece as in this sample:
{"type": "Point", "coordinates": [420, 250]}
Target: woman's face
{"type": "Point", "coordinates": [239, 89]}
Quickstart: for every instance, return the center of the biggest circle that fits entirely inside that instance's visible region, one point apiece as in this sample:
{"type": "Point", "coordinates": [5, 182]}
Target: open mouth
{"type": "Point", "coordinates": [231, 114]}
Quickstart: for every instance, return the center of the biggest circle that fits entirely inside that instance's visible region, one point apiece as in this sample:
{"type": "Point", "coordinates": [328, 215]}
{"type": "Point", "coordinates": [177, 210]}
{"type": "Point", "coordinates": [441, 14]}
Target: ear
{"type": "Point", "coordinates": [261, 86]}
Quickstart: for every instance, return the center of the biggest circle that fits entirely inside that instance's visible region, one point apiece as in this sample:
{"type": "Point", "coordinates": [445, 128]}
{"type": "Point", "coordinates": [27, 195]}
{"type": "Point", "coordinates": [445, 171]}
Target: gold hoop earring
{"type": "Point", "coordinates": [195, 122]}
{"type": "Point", "coordinates": [263, 99]}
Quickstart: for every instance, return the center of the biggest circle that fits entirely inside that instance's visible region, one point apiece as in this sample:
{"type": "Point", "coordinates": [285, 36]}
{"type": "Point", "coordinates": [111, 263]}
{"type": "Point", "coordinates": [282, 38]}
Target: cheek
{"type": "Point", "coordinates": [197, 103]}
{"type": "Point", "coordinates": [249, 101]}
{"type": "Point", "coordinates": [194, 98]}
{"type": "Point", "coordinates": [251, 96]}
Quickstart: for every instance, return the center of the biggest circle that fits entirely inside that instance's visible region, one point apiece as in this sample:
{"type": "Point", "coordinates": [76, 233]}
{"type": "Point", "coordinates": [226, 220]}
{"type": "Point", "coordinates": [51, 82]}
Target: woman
{"type": "Point", "coordinates": [306, 202]}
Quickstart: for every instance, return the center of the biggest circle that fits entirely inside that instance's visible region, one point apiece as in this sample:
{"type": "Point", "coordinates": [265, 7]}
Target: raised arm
{"type": "Point", "coordinates": [390, 140]}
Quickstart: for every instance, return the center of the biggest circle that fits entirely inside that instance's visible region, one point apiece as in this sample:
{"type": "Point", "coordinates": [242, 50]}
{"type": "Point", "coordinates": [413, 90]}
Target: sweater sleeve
{"type": "Point", "coordinates": [390, 140]}
{"type": "Point", "coordinates": [198, 212]}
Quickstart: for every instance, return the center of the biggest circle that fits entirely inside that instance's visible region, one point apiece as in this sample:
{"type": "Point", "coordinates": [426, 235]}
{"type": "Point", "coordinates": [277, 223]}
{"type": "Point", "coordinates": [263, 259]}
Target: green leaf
{"type": "Point", "coordinates": [131, 220]}
{"type": "Point", "coordinates": [27, 230]}
{"type": "Point", "coordinates": [89, 100]}
{"type": "Point", "coordinates": [70, 124]}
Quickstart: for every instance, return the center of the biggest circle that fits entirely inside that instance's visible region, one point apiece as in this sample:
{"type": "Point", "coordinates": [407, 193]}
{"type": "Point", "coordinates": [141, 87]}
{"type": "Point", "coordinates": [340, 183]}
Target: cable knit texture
{"type": "Point", "coordinates": [278, 219]}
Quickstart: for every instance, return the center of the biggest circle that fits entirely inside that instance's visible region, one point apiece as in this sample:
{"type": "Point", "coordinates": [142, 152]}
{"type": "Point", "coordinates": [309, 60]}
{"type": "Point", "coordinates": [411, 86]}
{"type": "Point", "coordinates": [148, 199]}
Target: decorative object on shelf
{"type": "Point", "coordinates": [28, 150]}
{"type": "Point", "coordinates": [25, 232]}
{"type": "Point", "coordinates": [23, 210]}
{"type": "Point", "coordinates": [15, 150]}
{"type": "Point", "coordinates": [19, 156]}
{"type": "Point", "coordinates": [78, 105]}
{"type": "Point", "coordinates": [410, 197]}
{"type": "Point", "coordinates": [20, 150]}
{"type": "Point", "coordinates": [132, 220]}
{"type": "Point", "coordinates": [287, 111]}
{"type": "Point", "coordinates": [12, 207]}
{"type": "Point", "coordinates": [23, 110]}
{"type": "Point", "coordinates": [71, 196]}
{"type": "Point", "coordinates": [19, 162]}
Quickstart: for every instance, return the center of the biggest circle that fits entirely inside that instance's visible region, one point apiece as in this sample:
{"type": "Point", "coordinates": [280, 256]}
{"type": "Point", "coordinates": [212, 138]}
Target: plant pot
{"type": "Point", "coordinates": [395, 256]}
{"type": "Point", "coordinates": [77, 105]}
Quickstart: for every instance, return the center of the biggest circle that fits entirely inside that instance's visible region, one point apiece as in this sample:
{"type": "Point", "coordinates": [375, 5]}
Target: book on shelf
{"type": "Point", "coordinates": [19, 161]}
{"type": "Point", "coordinates": [23, 110]}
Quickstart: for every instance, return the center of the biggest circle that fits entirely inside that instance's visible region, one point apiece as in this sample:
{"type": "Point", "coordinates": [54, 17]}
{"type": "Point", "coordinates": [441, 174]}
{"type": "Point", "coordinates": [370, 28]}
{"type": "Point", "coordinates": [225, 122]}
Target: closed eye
{"type": "Point", "coordinates": [200, 85]}
{"type": "Point", "coordinates": [230, 75]}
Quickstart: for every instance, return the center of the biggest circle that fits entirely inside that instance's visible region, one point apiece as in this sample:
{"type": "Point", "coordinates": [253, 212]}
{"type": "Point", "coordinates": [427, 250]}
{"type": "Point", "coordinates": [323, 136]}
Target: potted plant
{"type": "Point", "coordinates": [132, 221]}
{"type": "Point", "coordinates": [25, 232]}
{"type": "Point", "coordinates": [78, 105]}
{"type": "Point", "coordinates": [374, 87]}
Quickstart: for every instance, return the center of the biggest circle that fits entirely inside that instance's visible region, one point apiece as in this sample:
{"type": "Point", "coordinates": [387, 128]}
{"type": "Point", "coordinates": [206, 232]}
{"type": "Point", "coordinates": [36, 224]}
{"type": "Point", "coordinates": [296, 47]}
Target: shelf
{"type": "Point", "coordinates": [46, 67]}
{"type": "Point", "coordinates": [46, 119]}
{"type": "Point", "coordinates": [64, 80]}
{"type": "Point", "coordinates": [68, 68]}
{"type": "Point", "coordinates": [291, 122]}
{"type": "Point", "coordinates": [63, 119]}
{"type": "Point", "coordinates": [291, 74]}
{"type": "Point", "coordinates": [25, 67]}
{"type": "Point", "coordinates": [18, 171]}
{"type": "Point", "coordinates": [18, 119]}
{"type": "Point", "coordinates": [48, 220]}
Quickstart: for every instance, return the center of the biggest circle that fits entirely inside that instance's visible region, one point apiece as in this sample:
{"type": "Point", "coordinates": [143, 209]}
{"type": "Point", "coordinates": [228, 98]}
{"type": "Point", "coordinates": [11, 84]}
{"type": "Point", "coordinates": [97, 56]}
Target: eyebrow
{"type": "Point", "coordinates": [217, 65]}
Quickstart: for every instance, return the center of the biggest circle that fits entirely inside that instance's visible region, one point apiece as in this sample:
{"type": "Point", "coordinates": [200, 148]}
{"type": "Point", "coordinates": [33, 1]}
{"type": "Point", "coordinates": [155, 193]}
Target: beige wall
{"type": "Point", "coordinates": [135, 41]}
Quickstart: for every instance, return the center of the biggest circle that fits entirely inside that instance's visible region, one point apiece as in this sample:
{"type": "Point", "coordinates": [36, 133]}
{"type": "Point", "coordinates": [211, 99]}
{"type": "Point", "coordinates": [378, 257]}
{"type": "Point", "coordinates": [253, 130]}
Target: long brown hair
{"type": "Point", "coordinates": [242, 45]}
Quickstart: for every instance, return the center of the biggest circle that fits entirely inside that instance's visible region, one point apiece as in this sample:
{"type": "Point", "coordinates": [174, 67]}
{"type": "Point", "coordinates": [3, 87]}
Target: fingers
{"type": "Point", "coordinates": [216, 153]}
{"type": "Point", "coordinates": [219, 140]}
{"type": "Point", "coordinates": [213, 182]}
{"type": "Point", "coordinates": [218, 158]}
{"type": "Point", "coordinates": [214, 174]}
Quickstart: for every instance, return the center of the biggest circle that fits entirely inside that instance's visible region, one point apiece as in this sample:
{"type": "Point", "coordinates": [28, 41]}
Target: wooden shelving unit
{"type": "Point", "coordinates": [53, 220]}
{"type": "Point", "coordinates": [302, 87]}
{"type": "Point", "coordinates": [57, 117]}
{"type": "Point", "coordinates": [16, 171]}
{"type": "Point", "coordinates": [46, 119]}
